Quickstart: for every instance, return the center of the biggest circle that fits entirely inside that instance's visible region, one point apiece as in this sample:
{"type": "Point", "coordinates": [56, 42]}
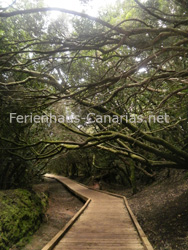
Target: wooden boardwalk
{"type": "Point", "coordinates": [105, 223]}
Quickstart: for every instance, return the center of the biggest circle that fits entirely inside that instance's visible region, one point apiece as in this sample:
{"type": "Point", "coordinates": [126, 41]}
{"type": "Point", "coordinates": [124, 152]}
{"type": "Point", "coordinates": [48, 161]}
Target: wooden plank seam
{"type": "Point", "coordinates": [51, 244]}
{"type": "Point", "coordinates": [142, 235]}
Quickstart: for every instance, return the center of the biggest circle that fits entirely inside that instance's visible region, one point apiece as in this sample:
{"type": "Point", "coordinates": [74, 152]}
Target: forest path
{"type": "Point", "coordinates": [105, 222]}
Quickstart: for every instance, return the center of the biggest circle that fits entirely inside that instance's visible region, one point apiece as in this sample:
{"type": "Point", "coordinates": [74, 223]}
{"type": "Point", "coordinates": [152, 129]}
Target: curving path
{"type": "Point", "coordinates": [105, 223]}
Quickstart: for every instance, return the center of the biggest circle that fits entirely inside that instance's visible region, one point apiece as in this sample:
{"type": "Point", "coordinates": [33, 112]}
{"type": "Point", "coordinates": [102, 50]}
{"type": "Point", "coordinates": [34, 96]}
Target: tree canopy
{"type": "Point", "coordinates": [121, 79]}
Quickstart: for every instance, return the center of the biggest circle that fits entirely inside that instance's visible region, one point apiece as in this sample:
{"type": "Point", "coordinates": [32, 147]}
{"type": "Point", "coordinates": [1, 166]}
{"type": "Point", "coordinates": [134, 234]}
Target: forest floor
{"type": "Point", "coordinates": [161, 209]}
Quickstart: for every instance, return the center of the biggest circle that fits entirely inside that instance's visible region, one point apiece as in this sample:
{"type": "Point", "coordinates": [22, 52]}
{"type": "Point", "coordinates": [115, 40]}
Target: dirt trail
{"type": "Point", "coordinates": [62, 207]}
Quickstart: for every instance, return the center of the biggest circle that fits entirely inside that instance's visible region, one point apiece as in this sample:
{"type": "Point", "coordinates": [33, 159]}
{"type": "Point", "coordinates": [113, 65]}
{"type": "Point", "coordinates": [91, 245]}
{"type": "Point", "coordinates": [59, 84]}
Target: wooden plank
{"type": "Point", "coordinates": [97, 247]}
{"type": "Point", "coordinates": [79, 244]}
{"type": "Point", "coordinates": [107, 223]}
{"type": "Point", "coordinates": [124, 241]}
{"type": "Point", "coordinates": [103, 236]}
{"type": "Point", "coordinates": [101, 230]}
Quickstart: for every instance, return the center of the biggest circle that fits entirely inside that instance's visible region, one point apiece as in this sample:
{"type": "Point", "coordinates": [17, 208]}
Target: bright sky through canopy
{"type": "Point", "coordinates": [91, 9]}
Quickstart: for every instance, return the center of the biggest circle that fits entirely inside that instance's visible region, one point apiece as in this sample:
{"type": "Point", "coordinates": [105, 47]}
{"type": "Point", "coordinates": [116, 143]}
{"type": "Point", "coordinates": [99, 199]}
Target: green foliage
{"type": "Point", "coordinates": [21, 99]}
{"type": "Point", "coordinates": [21, 213]}
{"type": "Point", "coordinates": [132, 61]}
